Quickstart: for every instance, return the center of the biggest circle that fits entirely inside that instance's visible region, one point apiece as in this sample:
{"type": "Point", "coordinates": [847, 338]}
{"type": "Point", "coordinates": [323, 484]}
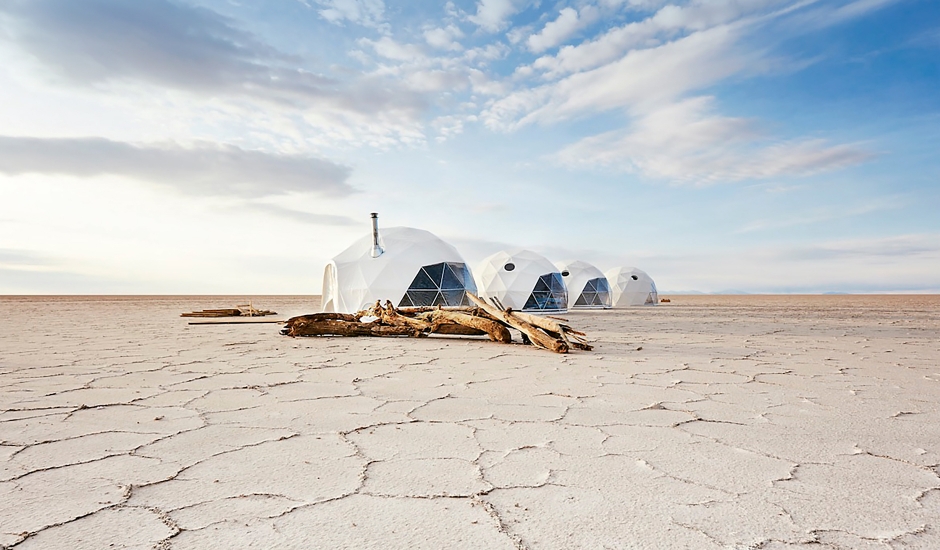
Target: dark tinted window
{"type": "Point", "coordinates": [549, 294]}
{"type": "Point", "coordinates": [596, 293]}
{"type": "Point", "coordinates": [443, 284]}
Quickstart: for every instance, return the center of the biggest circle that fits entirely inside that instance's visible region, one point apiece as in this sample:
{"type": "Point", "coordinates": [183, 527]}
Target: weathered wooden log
{"type": "Point", "coordinates": [574, 338]}
{"type": "Point", "coordinates": [213, 313]}
{"type": "Point", "coordinates": [391, 317]}
{"type": "Point", "coordinates": [450, 329]}
{"type": "Point", "coordinates": [325, 324]}
{"type": "Point", "coordinates": [538, 337]}
{"type": "Point", "coordinates": [239, 311]}
{"type": "Point", "coordinates": [441, 320]}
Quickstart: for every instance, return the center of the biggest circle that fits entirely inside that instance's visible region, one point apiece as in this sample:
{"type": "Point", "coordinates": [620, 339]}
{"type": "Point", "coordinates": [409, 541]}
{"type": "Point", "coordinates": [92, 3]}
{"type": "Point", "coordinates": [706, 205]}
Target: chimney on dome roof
{"type": "Point", "coordinates": [376, 249]}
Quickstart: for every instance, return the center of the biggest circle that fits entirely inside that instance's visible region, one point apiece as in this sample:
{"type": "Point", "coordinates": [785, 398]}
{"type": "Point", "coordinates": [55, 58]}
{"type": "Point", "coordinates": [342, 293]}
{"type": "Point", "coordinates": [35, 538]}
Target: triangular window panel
{"type": "Point", "coordinates": [423, 298]}
{"type": "Point", "coordinates": [470, 284]}
{"type": "Point", "coordinates": [549, 294]}
{"type": "Point", "coordinates": [582, 300]}
{"type": "Point", "coordinates": [426, 288]}
{"type": "Point", "coordinates": [558, 285]}
{"type": "Point", "coordinates": [589, 287]}
{"type": "Point", "coordinates": [422, 282]}
{"type": "Point", "coordinates": [556, 302]}
{"type": "Point", "coordinates": [449, 280]}
{"type": "Point", "coordinates": [601, 284]}
{"type": "Point", "coordinates": [453, 298]}
{"type": "Point", "coordinates": [435, 272]}
{"type": "Point", "coordinates": [603, 299]}
{"type": "Point", "coordinates": [542, 285]}
{"type": "Point", "coordinates": [460, 272]}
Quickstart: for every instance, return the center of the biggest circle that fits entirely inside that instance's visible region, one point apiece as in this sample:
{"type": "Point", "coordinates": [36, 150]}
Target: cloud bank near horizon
{"type": "Point", "coordinates": [201, 169]}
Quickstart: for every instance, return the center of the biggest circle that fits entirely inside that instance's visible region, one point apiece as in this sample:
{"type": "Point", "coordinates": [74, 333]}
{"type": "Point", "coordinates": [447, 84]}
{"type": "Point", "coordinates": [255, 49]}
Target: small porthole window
{"type": "Point", "coordinates": [634, 277]}
{"type": "Point", "coordinates": [565, 273]}
{"type": "Point", "coordinates": [510, 266]}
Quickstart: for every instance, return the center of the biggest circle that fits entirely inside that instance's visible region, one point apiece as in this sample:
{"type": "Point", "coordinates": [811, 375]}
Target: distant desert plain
{"type": "Point", "coordinates": [710, 422]}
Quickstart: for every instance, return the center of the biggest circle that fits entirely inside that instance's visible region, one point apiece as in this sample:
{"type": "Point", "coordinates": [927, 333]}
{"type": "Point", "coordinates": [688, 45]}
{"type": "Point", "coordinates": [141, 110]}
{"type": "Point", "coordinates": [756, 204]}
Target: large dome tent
{"type": "Point", "coordinates": [587, 285]}
{"type": "Point", "coordinates": [410, 267]}
{"type": "Point", "coordinates": [630, 286]}
{"type": "Point", "coordinates": [522, 280]}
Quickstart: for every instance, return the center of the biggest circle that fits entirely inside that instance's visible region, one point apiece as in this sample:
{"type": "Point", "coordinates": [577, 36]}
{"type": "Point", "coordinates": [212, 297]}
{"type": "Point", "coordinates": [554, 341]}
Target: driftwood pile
{"type": "Point", "coordinates": [491, 320]}
{"type": "Point", "coordinates": [238, 311]}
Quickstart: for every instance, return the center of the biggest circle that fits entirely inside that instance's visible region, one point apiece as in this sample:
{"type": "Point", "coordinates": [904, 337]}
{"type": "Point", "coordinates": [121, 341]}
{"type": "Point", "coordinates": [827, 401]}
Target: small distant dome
{"type": "Point", "coordinates": [587, 286]}
{"type": "Point", "coordinates": [533, 284]}
{"type": "Point", "coordinates": [630, 286]}
{"type": "Point", "coordinates": [417, 268]}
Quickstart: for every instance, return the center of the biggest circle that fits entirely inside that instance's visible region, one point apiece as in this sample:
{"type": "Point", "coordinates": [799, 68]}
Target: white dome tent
{"type": "Point", "coordinates": [630, 286]}
{"type": "Point", "coordinates": [522, 280]}
{"type": "Point", "coordinates": [410, 267]}
{"type": "Point", "coordinates": [587, 286]}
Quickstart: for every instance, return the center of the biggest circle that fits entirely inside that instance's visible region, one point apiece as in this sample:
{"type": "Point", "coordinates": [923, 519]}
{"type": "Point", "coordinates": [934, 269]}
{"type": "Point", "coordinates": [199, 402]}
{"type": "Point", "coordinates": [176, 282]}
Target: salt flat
{"type": "Point", "coordinates": [710, 422]}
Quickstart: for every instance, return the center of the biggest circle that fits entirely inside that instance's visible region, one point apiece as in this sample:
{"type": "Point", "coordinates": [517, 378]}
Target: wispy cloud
{"type": "Point", "coordinates": [821, 215]}
{"type": "Point", "coordinates": [201, 169]}
{"type": "Point", "coordinates": [183, 47]}
{"type": "Point", "coordinates": [23, 259]}
{"type": "Point", "coordinates": [685, 142]}
{"type": "Point", "coordinates": [640, 78]}
{"type": "Point", "coordinates": [669, 23]}
{"type": "Point", "coordinates": [311, 218]}
{"type": "Point", "coordinates": [493, 15]}
{"type": "Point", "coordinates": [894, 248]}
{"type": "Point", "coordinates": [368, 13]}
{"type": "Point", "coordinates": [557, 31]}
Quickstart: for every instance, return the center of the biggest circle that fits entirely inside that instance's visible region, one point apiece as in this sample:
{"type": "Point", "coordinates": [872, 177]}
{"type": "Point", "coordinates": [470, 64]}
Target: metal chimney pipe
{"type": "Point", "coordinates": [376, 249]}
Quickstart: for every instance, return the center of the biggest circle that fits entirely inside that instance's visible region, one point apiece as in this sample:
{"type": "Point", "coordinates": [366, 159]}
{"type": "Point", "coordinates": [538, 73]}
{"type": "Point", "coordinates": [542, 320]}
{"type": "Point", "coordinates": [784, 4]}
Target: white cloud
{"type": "Point", "coordinates": [665, 24]}
{"type": "Point", "coordinates": [555, 32]}
{"type": "Point", "coordinates": [486, 53]}
{"type": "Point", "coordinates": [819, 214]}
{"type": "Point", "coordinates": [436, 80]}
{"type": "Point", "coordinates": [826, 15]}
{"type": "Point", "coordinates": [396, 51]}
{"type": "Point", "coordinates": [449, 126]}
{"type": "Point", "coordinates": [368, 13]}
{"type": "Point", "coordinates": [444, 38]}
{"type": "Point", "coordinates": [484, 85]}
{"type": "Point", "coordinates": [638, 79]}
{"type": "Point", "coordinates": [492, 15]}
{"type": "Point", "coordinates": [202, 169]}
{"type": "Point", "coordinates": [685, 143]}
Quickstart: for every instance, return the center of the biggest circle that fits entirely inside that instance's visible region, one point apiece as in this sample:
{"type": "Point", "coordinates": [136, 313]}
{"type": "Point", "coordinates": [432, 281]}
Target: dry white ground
{"type": "Point", "coordinates": [754, 422]}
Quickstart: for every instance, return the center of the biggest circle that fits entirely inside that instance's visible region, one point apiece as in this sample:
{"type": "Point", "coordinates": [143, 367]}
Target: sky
{"type": "Point", "coordinates": [234, 147]}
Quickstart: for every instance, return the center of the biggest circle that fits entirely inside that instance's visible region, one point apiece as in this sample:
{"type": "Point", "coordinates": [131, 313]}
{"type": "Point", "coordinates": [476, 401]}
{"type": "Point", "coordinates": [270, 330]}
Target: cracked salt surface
{"type": "Point", "coordinates": [714, 422]}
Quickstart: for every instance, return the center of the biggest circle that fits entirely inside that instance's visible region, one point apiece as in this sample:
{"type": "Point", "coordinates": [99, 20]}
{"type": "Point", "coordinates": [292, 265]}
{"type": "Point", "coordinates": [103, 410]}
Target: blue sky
{"type": "Point", "coordinates": [221, 146]}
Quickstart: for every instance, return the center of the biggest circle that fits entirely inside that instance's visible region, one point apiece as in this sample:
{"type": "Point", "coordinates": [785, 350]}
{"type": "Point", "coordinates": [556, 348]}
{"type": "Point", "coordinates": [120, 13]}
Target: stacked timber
{"type": "Point", "coordinates": [238, 311]}
{"type": "Point", "coordinates": [491, 320]}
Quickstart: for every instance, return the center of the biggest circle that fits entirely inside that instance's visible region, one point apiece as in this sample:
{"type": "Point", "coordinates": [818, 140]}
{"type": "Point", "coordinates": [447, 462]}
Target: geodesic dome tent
{"type": "Point", "coordinates": [522, 280]}
{"type": "Point", "coordinates": [587, 286]}
{"type": "Point", "coordinates": [412, 267]}
{"type": "Point", "coordinates": [630, 286]}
